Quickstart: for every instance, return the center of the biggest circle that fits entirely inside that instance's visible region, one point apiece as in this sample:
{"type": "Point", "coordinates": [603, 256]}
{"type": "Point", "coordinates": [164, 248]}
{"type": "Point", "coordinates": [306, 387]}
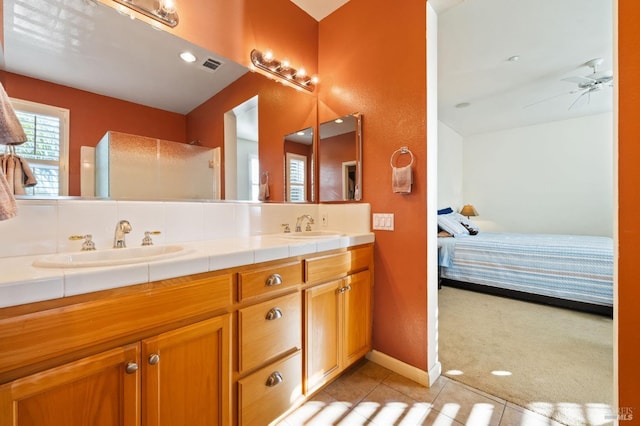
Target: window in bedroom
{"type": "Point", "coordinates": [47, 146]}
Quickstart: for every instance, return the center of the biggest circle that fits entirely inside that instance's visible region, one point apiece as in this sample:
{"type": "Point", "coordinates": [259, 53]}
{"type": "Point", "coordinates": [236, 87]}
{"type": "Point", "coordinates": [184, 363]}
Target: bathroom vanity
{"type": "Point", "coordinates": [239, 345]}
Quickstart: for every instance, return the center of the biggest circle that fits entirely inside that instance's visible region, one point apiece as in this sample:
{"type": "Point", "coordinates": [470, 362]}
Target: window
{"type": "Point", "coordinates": [46, 149]}
{"type": "Point", "coordinates": [296, 177]}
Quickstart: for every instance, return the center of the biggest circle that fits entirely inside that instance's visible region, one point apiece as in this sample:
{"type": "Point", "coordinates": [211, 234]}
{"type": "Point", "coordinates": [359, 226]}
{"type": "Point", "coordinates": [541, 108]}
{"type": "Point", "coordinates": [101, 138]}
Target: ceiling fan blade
{"type": "Point", "coordinates": [548, 99]}
{"type": "Point", "coordinates": [579, 80]}
{"type": "Point", "coordinates": [578, 98]}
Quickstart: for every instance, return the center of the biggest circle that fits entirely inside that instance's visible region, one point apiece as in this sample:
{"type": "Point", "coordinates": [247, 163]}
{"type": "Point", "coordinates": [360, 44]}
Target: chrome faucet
{"type": "Point", "coordinates": [122, 228]}
{"type": "Point", "coordinates": [301, 219]}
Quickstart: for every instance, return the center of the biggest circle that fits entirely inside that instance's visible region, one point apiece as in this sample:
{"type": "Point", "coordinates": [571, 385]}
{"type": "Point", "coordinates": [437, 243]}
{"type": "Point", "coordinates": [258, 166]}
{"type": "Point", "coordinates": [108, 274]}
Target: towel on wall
{"type": "Point", "coordinates": [7, 201]}
{"type": "Point", "coordinates": [402, 179]}
{"type": "Point", "coordinates": [263, 192]}
{"type": "Point", "coordinates": [17, 172]}
{"type": "Point", "coordinates": [11, 131]}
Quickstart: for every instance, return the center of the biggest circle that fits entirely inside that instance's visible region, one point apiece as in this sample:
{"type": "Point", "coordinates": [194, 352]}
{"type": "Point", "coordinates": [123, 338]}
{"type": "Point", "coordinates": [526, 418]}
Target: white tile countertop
{"type": "Point", "coordinates": [21, 282]}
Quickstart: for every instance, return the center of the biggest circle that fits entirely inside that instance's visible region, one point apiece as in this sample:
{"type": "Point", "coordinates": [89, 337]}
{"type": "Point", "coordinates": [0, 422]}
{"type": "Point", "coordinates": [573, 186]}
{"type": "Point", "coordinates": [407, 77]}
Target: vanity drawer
{"type": "Point", "coordinates": [327, 267]}
{"type": "Point", "coordinates": [361, 258]}
{"type": "Point", "coordinates": [259, 282]}
{"type": "Point", "coordinates": [269, 392]}
{"type": "Point", "coordinates": [269, 329]}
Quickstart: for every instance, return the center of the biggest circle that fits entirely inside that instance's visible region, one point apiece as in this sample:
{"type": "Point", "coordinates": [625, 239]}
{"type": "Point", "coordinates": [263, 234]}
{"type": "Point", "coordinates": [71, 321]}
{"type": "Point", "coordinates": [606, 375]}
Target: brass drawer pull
{"type": "Point", "coordinates": [131, 367]}
{"type": "Point", "coordinates": [274, 279]}
{"type": "Point", "coordinates": [274, 314]}
{"type": "Point", "coordinates": [274, 379]}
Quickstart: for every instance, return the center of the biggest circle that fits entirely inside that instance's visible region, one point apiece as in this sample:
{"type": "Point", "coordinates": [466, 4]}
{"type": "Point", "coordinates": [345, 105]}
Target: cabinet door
{"type": "Point", "coordinates": [323, 304]}
{"type": "Point", "coordinates": [186, 375]}
{"type": "Point", "coordinates": [98, 390]}
{"type": "Point", "coordinates": [357, 317]}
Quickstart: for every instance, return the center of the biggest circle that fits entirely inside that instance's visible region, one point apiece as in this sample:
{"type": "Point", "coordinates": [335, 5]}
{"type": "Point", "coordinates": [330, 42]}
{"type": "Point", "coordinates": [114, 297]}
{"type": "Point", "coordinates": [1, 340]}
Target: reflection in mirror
{"type": "Point", "coordinates": [298, 156]}
{"type": "Point", "coordinates": [108, 82]}
{"type": "Point", "coordinates": [242, 169]}
{"type": "Point", "coordinates": [340, 159]}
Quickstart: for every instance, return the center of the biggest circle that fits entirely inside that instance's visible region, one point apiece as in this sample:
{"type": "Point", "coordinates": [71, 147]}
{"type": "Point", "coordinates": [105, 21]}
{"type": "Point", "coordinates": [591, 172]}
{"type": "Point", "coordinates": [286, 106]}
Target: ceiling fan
{"type": "Point", "coordinates": [592, 82]}
{"type": "Point", "coordinates": [586, 84]}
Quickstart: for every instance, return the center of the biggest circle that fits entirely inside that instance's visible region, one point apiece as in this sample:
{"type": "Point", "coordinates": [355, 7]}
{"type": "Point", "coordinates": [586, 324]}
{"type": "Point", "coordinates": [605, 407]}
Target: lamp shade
{"type": "Point", "coordinates": [468, 210]}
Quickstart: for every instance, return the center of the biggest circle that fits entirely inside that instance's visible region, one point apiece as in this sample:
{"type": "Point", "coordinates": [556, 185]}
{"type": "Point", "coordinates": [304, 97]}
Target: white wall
{"type": "Point", "coordinates": [450, 167]}
{"type": "Point", "coordinates": [551, 178]}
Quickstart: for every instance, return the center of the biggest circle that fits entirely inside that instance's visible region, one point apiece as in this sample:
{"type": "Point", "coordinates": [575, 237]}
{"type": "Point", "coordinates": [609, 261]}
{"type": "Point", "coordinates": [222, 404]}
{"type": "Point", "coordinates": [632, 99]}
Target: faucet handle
{"type": "Point", "coordinates": [147, 241]}
{"type": "Point", "coordinates": [87, 244]}
{"type": "Point", "coordinates": [286, 227]}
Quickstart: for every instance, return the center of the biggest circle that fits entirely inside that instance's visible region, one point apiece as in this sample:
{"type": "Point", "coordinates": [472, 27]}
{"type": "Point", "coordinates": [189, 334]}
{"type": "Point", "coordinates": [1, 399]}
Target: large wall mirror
{"type": "Point", "coordinates": [115, 74]}
{"type": "Point", "coordinates": [340, 159]}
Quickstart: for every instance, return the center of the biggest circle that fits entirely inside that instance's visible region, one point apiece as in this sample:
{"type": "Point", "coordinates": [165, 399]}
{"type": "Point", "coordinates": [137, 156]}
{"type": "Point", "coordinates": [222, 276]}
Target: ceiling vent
{"type": "Point", "coordinates": [212, 64]}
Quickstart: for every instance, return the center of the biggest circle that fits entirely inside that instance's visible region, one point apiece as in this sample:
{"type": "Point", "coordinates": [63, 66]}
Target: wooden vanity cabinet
{"type": "Point", "coordinates": [239, 346]}
{"type": "Point", "coordinates": [337, 314]}
{"type": "Point", "coordinates": [178, 377]}
{"type": "Point", "coordinates": [269, 354]}
{"type": "Point", "coordinates": [154, 354]}
{"type": "Point", "coordinates": [95, 390]}
{"type": "Point", "coordinates": [186, 375]}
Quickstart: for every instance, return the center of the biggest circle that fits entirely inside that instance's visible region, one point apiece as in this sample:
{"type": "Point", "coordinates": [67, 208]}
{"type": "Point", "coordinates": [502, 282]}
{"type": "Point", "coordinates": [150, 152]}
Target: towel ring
{"type": "Point", "coordinates": [398, 152]}
{"type": "Point", "coordinates": [264, 178]}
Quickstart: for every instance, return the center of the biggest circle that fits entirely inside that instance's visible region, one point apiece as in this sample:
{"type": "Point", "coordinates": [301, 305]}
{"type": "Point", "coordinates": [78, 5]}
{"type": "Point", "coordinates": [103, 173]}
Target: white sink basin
{"type": "Point", "coordinates": [311, 235]}
{"type": "Point", "coordinates": [110, 257]}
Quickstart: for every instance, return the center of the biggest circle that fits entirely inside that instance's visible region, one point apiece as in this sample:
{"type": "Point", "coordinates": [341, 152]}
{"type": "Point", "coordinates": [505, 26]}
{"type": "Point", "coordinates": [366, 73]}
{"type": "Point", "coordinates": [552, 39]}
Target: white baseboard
{"type": "Point", "coordinates": [425, 378]}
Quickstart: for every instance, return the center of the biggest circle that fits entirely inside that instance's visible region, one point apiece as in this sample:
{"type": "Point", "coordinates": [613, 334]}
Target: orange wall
{"type": "Point", "coordinates": [629, 203]}
{"type": "Point", "coordinates": [281, 110]}
{"type": "Point", "coordinates": [331, 153]}
{"type": "Point", "coordinates": [372, 59]}
{"type": "Point", "coordinates": [91, 116]}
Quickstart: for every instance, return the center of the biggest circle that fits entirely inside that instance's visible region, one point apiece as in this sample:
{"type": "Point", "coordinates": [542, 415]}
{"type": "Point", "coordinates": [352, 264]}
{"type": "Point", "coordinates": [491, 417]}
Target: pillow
{"type": "Point", "coordinates": [450, 224]}
{"type": "Point", "coordinates": [472, 227]}
{"type": "Point", "coordinates": [445, 210]}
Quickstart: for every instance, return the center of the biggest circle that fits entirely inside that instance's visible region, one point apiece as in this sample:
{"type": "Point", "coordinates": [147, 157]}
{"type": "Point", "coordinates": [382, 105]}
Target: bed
{"type": "Point", "coordinates": [563, 270]}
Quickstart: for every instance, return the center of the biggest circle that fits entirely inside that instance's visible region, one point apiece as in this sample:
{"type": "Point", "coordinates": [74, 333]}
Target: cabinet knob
{"type": "Point", "coordinates": [274, 314]}
{"type": "Point", "coordinates": [347, 288]}
{"type": "Point", "coordinates": [154, 359]}
{"type": "Point", "coordinates": [274, 379]}
{"type": "Point", "coordinates": [131, 367]}
{"type": "Point", "coordinates": [274, 279]}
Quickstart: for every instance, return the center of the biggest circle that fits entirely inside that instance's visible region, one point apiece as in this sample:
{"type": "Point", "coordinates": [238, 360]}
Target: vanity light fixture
{"type": "Point", "coordinates": [282, 70]}
{"type": "Point", "coordinates": [163, 11]}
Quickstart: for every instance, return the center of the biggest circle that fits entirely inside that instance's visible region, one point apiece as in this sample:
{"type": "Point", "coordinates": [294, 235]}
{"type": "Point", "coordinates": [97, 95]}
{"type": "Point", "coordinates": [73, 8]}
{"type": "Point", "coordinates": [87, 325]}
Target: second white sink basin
{"type": "Point", "coordinates": [110, 257]}
{"type": "Point", "coordinates": [309, 235]}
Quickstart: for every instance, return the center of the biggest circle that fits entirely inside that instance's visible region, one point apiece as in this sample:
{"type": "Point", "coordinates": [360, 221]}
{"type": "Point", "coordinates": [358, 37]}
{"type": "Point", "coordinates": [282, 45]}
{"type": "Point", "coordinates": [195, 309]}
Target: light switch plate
{"type": "Point", "coordinates": [383, 221]}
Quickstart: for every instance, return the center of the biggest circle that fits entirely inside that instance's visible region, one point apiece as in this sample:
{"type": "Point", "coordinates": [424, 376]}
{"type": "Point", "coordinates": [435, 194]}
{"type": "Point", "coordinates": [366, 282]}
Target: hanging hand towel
{"type": "Point", "coordinates": [7, 201]}
{"type": "Point", "coordinates": [28, 179]}
{"type": "Point", "coordinates": [263, 193]}
{"type": "Point", "coordinates": [402, 179]}
{"type": "Point", "coordinates": [11, 131]}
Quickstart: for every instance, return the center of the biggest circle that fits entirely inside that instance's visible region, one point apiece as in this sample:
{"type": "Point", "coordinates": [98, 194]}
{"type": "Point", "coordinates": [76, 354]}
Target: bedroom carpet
{"type": "Point", "coordinates": [553, 361]}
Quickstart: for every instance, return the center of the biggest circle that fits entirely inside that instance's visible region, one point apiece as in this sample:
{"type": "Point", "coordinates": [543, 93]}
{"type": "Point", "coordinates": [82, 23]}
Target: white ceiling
{"type": "Point", "coordinates": [319, 9]}
{"type": "Point", "coordinates": [92, 47]}
{"type": "Point", "coordinates": [73, 43]}
{"type": "Point", "coordinates": [553, 38]}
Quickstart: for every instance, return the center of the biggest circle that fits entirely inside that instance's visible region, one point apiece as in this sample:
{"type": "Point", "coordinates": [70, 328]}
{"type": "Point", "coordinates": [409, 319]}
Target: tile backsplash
{"type": "Point", "coordinates": [44, 226]}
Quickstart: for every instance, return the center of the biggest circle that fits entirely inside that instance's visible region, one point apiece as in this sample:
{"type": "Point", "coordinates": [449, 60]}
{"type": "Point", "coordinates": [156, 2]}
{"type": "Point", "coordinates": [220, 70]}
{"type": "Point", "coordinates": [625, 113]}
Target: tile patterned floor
{"type": "Point", "coordinates": [369, 394]}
